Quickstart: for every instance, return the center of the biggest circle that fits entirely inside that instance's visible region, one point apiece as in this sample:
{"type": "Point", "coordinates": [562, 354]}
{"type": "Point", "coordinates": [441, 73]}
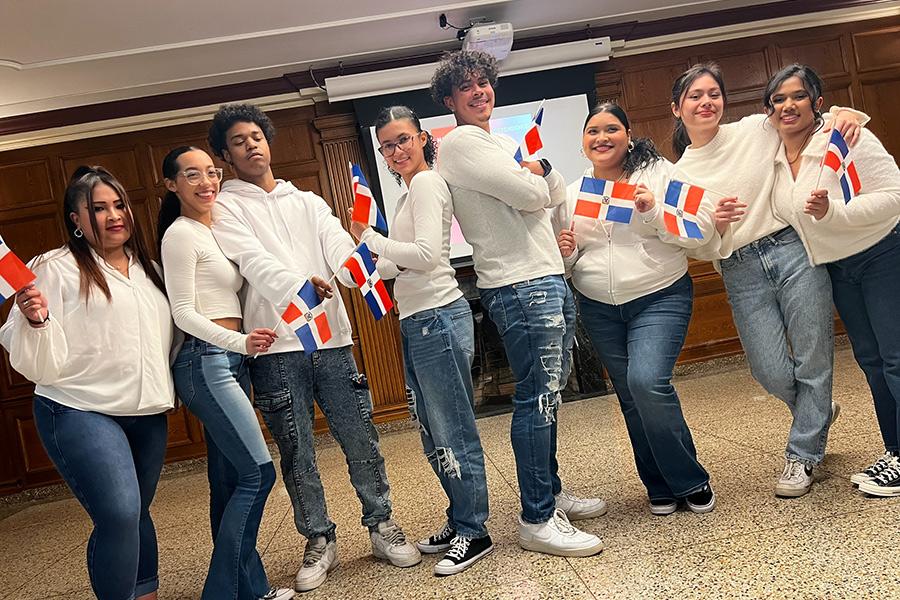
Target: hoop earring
{"type": "Point", "coordinates": [78, 232]}
{"type": "Point", "coordinates": [630, 145]}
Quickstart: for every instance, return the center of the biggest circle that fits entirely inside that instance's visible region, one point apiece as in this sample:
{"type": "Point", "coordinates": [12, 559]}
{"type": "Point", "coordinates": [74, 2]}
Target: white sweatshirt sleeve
{"type": "Point", "coordinates": [337, 245]}
{"type": "Point", "coordinates": [387, 268]}
{"type": "Point", "coordinates": [39, 353]}
{"type": "Point", "coordinates": [427, 197]}
{"type": "Point", "coordinates": [179, 256]}
{"type": "Point", "coordinates": [268, 275]}
{"type": "Point", "coordinates": [473, 160]}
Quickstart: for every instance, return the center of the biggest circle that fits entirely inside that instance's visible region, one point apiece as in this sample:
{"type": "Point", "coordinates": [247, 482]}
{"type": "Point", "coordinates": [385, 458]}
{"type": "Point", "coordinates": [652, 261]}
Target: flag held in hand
{"type": "Point", "coordinates": [306, 316]}
{"type": "Point", "coordinates": [837, 158]}
{"type": "Point", "coordinates": [680, 209]}
{"type": "Point", "coordinates": [362, 268]}
{"type": "Point", "coordinates": [532, 141]}
{"type": "Point", "coordinates": [14, 274]}
{"type": "Point", "coordinates": [365, 209]}
{"type": "Point", "coordinates": [605, 200]}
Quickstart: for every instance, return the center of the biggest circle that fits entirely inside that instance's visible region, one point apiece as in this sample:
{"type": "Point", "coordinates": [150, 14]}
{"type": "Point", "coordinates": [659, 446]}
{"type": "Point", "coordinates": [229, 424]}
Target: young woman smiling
{"type": "Point", "coordinates": [858, 240]}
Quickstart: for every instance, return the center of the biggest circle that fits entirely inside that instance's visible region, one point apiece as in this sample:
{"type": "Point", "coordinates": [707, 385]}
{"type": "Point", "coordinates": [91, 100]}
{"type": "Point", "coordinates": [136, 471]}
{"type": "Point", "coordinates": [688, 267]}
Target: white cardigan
{"type": "Point", "coordinates": [106, 357]}
{"type": "Point", "coordinates": [846, 229]}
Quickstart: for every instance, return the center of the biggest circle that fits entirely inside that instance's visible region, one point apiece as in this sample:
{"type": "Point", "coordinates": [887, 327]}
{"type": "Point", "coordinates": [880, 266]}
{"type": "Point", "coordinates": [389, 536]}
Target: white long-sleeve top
{"type": "Point", "coordinates": [616, 263]}
{"type": "Point", "coordinates": [846, 229]}
{"type": "Point", "coordinates": [110, 357]}
{"type": "Point", "coordinates": [501, 207]}
{"type": "Point", "coordinates": [201, 284]}
{"type": "Point", "coordinates": [420, 243]}
{"type": "Point", "coordinates": [279, 240]}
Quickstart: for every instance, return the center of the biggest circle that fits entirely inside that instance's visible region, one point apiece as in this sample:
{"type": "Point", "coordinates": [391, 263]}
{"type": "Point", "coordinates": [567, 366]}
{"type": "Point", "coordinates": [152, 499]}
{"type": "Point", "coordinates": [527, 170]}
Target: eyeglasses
{"type": "Point", "coordinates": [388, 148]}
{"type": "Point", "coordinates": [195, 177]}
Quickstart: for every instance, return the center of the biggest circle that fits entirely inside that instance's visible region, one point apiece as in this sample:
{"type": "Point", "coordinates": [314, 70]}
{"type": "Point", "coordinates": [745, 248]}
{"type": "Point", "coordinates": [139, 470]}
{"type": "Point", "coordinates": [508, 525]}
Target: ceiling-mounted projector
{"type": "Point", "coordinates": [494, 38]}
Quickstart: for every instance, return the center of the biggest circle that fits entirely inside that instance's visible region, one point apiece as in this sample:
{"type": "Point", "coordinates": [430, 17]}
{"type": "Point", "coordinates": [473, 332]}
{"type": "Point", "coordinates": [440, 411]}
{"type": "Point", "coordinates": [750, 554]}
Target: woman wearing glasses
{"type": "Point", "coordinates": [438, 338]}
{"type": "Point", "coordinates": [211, 375]}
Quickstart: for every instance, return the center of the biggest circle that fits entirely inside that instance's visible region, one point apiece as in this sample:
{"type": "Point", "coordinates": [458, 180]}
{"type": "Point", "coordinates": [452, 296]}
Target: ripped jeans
{"type": "Point", "coordinates": [285, 385]}
{"type": "Point", "coordinates": [438, 348]}
{"type": "Point", "coordinates": [536, 319]}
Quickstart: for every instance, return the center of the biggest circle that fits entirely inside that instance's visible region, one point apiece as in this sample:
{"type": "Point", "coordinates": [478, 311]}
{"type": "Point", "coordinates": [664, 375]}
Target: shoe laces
{"type": "Point", "coordinates": [392, 534]}
{"type": "Point", "coordinates": [566, 494]}
{"type": "Point", "coordinates": [313, 554]}
{"type": "Point", "coordinates": [792, 469]}
{"type": "Point", "coordinates": [562, 522]}
{"type": "Point", "coordinates": [889, 474]}
{"type": "Point", "coordinates": [458, 547]}
{"type": "Point", "coordinates": [443, 534]}
{"type": "Point", "coordinates": [880, 465]}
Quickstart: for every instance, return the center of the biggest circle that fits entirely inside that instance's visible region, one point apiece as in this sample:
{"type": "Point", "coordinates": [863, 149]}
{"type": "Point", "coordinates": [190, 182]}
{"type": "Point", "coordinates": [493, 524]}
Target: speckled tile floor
{"type": "Point", "coordinates": [833, 543]}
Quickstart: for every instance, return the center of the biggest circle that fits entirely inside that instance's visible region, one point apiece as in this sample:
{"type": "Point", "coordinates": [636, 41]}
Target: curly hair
{"type": "Point", "coordinates": [456, 67]}
{"type": "Point", "coordinates": [394, 113]}
{"type": "Point", "coordinates": [642, 152]}
{"type": "Point", "coordinates": [227, 116]}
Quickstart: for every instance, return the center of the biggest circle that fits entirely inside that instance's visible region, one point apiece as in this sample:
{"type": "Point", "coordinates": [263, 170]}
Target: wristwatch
{"type": "Point", "coordinates": [545, 164]}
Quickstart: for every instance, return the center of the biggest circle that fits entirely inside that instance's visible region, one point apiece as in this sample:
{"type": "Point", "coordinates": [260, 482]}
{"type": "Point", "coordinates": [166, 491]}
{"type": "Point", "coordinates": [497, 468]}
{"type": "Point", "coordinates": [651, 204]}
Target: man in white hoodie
{"type": "Point", "coordinates": [279, 237]}
{"type": "Point", "coordinates": [502, 208]}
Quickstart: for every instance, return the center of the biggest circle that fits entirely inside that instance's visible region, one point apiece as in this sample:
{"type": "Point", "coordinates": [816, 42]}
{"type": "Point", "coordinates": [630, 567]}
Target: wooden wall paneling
{"type": "Point", "coordinates": [877, 49]}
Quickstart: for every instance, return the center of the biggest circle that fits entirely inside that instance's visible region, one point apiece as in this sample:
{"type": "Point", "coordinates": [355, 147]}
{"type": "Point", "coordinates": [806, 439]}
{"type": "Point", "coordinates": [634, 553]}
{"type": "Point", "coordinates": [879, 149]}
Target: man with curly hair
{"type": "Point", "coordinates": [503, 208]}
{"type": "Point", "coordinates": [280, 237]}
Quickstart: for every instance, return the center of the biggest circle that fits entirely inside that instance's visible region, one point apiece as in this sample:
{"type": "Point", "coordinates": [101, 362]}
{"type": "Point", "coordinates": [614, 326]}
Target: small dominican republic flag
{"type": "Point", "coordinates": [837, 158]}
{"type": "Point", "coordinates": [306, 316]}
{"type": "Point", "coordinates": [532, 141]}
{"type": "Point", "coordinates": [362, 268]}
{"type": "Point", "coordinates": [365, 210]}
{"type": "Point", "coordinates": [14, 274]}
{"type": "Point", "coordinates": [680, 209]}
{"type": "Point", "coordinates": [605, 200]}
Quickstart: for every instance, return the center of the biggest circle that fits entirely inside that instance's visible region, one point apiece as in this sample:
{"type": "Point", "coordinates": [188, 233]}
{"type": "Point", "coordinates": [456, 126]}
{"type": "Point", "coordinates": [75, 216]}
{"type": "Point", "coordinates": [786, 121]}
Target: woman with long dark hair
{"type": "Point", "coordinates": [211, 375]}
{"type": "Point", "coordinates": [94, 333]}
{"type": "Point", "coordinates": [635, 298]}
{"type": "Point", "coordinates": [857, 238]}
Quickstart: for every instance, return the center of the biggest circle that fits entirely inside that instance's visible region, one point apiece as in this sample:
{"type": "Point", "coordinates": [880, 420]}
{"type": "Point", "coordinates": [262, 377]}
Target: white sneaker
{"type": "Point", "coordinates": [874, 469]}
{"type": "Point", "coordinates": [389, 543]}
{"type": "Point", "coordinates": [319, 559]}
{"type": "Point", "coordinates": [795, 480]}
{"type": "Point", "coordinates": [579, 508]}
{"type": "Point", "coordinates": [558, 537]}
{"type": "Point", "coordinates": [279, 594]}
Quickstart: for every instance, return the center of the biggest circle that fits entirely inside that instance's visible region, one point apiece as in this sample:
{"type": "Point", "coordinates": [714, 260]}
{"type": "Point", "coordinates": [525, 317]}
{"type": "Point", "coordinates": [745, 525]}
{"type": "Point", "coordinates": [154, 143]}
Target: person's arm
{"type": "Point", "coordinates": [337, 245]}
{"type": "Point", "coordinates": [40, 352]}
{"type": "Point", "coordinates": [268, 275]}
{"type": "Point", "coordinates": [179, 256]}
{"type": "Point", "coordinates": [387, 269]}
{"type": "Point", "coordinates": [472, 160]}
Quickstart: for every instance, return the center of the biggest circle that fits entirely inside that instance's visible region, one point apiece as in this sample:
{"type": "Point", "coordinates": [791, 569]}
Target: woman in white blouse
{"type": "Point", "coordinates": [94, 334]}
{"type": "Point", "coordinates": [211, 375]}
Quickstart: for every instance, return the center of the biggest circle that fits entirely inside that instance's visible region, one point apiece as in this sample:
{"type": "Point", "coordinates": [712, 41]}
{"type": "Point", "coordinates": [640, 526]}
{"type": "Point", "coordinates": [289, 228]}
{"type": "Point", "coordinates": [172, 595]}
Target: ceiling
{"type": "Point", "coordinates": [58, 54]}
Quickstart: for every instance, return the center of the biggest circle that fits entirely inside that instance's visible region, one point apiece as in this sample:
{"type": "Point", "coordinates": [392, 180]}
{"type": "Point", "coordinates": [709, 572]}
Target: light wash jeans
{"type": "Point", "coordinates": [214, 385]}
{"type": "Point", "coordinates": [112, 465]}
{"type": "Point", "coordinates": [782, 310]}
{"type": "Point", "coordinates": [639, 342]}
{"type": "Point", "coordinates": [536, 319]}
{"type": "Point", "coordinates": [866, 291]}
{"type": "Point", "coordinates": [285, 387]}
{"type": "Point", "coordinates": [438, 348]}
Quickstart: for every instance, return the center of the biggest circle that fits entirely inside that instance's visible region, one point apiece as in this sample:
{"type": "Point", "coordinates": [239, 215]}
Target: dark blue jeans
{"type": "Point", "coordinates": [285, 386]}
{"type": "Point", "coordinates": [639, 342]}
{"type": "Point", "coordinates": [112, 466]}
{"type": "Point", "coordinates": [536, 319]}
{"type": "Point", "coordinates": [215, 386]}
{"type": "Point", "coordinates": [866, 289]}
{"type": "Point", "coordinates": [438, 348]}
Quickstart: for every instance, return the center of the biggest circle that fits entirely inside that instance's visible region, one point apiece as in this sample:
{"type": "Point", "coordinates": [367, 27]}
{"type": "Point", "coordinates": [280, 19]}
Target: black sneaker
{"type": "Point", "coordinates": [463, 554]}
{"type": "Point", "coordinates": [874, 469]}
{"type": "Point", "coordinates": [886, 484]}
{"type": "Point", "coordinates": [439, 542]}
{"type": "Point", "coordinates": [702, 501]}
{"type": "Point", "coordinates": [663, 506]}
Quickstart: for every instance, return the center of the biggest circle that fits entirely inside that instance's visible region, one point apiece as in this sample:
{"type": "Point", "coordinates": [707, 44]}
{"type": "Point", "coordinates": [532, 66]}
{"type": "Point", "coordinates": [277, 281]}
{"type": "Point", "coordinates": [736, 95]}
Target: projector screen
{"type": "Point", "coordinates": [560, 131]}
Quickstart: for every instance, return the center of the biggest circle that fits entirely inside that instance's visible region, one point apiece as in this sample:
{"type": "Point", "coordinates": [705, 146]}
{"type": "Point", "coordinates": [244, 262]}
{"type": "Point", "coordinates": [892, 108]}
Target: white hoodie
{"type": "Point", "coordinates": [279, 240]}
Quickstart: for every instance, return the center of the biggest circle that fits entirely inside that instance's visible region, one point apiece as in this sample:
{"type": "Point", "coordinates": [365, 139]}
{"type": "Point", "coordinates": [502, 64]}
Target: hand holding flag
{"type": "Point", "coordinates": [532, 141]}
{"type": "Point", "coordinates": [365, 209]}
{"type": "Point", "coordinates": [14, 274]}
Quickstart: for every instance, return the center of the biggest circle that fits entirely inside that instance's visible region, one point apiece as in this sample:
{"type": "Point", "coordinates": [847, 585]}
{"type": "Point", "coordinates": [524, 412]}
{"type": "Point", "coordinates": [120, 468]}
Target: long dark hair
{"type": "Point", "coordinates": [811, 81]}
{"type": "Point", "coordinates": [394, 113]}
{"type": "Point", "coordinates": [170, 208]}
{"type": "Point", "coordinates": [642, 154]}
{"type": "Point", "coordinates": [81, 189]}
{"type": "Point", "coordinates": [680, 138]}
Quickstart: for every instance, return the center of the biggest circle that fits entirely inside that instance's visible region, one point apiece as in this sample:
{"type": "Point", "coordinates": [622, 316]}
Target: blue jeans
{"type": "Point", "coordinates": [112, 465]}
{"type": "Point", "coordinates": [285, 386]}
{"type": "Point", "coordinates": [536, 319]}
{"type": "Point", "coordinates": [866, 289]}
{"type": "Point", "coordinates": [782, 310]}
{"type": "Point", "coordinates": [638, 343]}
{"type": "Point", "coordinates": [213, 383]}
{"type": "Point", "coordinates": [438, 348]}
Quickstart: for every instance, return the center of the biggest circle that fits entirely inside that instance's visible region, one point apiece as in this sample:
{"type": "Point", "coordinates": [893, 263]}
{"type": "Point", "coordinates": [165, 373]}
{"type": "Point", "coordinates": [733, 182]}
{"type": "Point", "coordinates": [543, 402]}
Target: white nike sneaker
{"type": "Point", "coordinates": [558, 537]}
{"type": "Point", "coordinates": [389, 543]}
{"type": "Point", "coordinates": [579, 508]}
{"type": "Point", "coordinates": [795, 480]}
{"type": "Point", "coordinates": [319, 559]}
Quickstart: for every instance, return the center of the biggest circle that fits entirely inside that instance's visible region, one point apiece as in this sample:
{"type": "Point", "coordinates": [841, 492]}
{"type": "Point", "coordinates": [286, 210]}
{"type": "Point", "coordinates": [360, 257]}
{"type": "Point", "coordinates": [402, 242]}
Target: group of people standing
{"type": "Point", "coordinates": [95, 331]}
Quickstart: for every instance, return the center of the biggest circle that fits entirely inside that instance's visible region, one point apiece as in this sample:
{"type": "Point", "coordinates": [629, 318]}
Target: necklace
{"type": "Point", "coordinates": [800, 151]}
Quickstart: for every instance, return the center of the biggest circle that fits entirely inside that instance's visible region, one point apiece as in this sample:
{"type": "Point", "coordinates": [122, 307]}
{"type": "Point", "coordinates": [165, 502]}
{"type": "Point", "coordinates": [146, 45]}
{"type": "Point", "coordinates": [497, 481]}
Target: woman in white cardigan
{"type": "Point", "coordinates": [857, 238]}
